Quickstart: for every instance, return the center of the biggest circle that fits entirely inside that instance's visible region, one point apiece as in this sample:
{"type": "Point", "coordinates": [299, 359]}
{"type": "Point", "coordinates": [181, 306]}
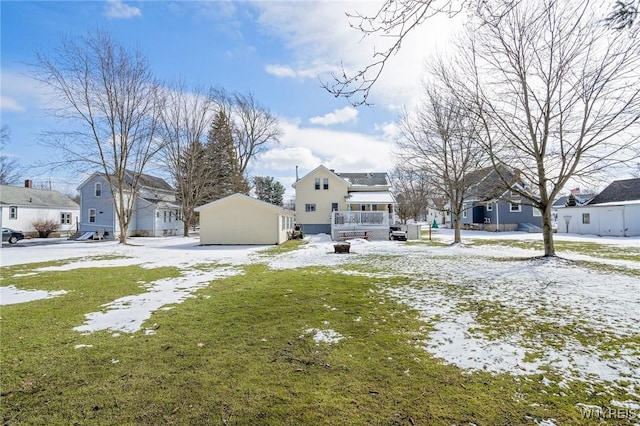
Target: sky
{"type": "Point", "coordinates": [280, 51]}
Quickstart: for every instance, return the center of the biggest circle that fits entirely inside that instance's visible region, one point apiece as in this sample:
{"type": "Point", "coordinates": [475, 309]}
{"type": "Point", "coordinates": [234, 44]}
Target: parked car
{"type": "Point", "coordinates": [11, 236]}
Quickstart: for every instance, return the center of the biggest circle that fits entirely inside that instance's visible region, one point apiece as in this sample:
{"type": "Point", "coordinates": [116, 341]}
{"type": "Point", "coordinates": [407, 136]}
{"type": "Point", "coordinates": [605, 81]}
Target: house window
{"type": "Point", "coordinates": [586, 218]}
{"type": "Point", "coordinates": [92, 215]}
{"type": "Point", "coordinates": [98, 189]}
{"type": "Point", "coordinates": [334, 207]}
{"type": "Point", "coordinates": [65, 218]}
{"type": "Point", "coordinates": [374, 207]}
{"type": "Point", "coordinates": [317, 183]}
{"type": "Point", "coordinates": [489, 207]}
{"type": "Point", "coordinates": [165, 215]}
{"type": "Point", "coordinates": [515, 207]}
{"type": "Point", "coordinates": [464, 210]}
{"type": "Point", "coordinates": [158, 214]}
{"type": "Point", "coordinates": [309, 207]}
{"type": "Point", "coordinates": [536, 212]}
{"type": "Point", "coordinates": [13, 212]}
{"type": "Point", "coordinates": [325, 183]}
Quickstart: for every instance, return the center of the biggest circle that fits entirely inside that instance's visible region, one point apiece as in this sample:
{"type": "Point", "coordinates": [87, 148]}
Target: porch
{"type": "Point", "coordinates": [374, 223]}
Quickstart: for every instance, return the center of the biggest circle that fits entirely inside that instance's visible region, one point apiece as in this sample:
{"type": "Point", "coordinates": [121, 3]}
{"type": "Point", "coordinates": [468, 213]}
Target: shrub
{"type": "Point", "coordinates": [45, 227]}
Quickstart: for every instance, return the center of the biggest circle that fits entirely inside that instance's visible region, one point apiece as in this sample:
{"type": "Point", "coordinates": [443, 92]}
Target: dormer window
{"type": "Point", "coordinates": [98, 189]}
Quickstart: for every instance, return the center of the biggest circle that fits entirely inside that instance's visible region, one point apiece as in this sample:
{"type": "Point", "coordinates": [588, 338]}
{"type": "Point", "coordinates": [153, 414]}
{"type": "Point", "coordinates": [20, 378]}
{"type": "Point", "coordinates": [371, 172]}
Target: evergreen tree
{"type": "Point", "coordinates": [268, 189]}
{"type": "Point", "coordinates": [221, 158]}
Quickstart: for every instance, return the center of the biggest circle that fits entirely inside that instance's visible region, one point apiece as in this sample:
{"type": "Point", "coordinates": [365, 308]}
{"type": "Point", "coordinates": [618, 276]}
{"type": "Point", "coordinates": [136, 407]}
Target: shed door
{"type": "Point", "coordinates": [612, 222]}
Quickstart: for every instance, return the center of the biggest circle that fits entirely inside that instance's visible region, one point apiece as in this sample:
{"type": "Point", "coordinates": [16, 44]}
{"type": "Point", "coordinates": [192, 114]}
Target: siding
{"type": "Point", "coordinates": [320, 220]}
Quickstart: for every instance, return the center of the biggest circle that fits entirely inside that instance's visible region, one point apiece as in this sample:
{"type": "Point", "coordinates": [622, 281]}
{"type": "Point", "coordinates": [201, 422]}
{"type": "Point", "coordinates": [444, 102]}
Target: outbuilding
{"type": "Point", "coordinates": [240, 219]}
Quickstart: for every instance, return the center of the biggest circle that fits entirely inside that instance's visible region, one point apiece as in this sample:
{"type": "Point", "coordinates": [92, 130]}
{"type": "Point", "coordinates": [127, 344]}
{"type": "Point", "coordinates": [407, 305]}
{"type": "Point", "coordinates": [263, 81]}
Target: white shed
{"type": "Point", "coordinates": [615, 219]}
{"type": "Point", "coordinates": [240, 219]}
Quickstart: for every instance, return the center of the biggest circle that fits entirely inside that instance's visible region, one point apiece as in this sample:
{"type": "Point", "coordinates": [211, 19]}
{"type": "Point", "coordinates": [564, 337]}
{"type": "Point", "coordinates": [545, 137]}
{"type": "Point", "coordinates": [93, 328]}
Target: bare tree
{"type": "Point", "coordinates": [557, 92]}
{"type": "Point", "coordinates": [395, 20]}
{"type": "Point", "coordinates": [441, 140]}
{"type": "Point", "coordinates": [186, 118]}
{"type": "Point", "coordinates": [412, 190]}
{"type": "Point", "coordinates": [110, 100]}
{"type": "Point", "coordinates": [623, 14]}
{"type": "Point", "coordinates": [254, 126]}
{"type": "Point", "coordinates": [9, 174]}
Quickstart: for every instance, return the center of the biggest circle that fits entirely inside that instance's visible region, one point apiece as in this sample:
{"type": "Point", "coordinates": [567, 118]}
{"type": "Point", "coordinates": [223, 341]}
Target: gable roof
{"type": "Point", "coordinates": [486, 184]}
{"type": "Point", "coordinates": [145, 181]}
{"type": "Point", "coordinates": [150, 182]}
{"type": "Point", "coordinates": [22, 196]}
{"type": "Point", "coordinates": [619, 190]}
{"type": "Point", "coordinates": [239, 195]}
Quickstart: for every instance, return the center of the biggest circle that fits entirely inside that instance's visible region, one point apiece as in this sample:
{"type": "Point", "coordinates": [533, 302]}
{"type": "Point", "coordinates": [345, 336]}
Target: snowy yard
{"type": "Point", "coordinates": [485, 307]}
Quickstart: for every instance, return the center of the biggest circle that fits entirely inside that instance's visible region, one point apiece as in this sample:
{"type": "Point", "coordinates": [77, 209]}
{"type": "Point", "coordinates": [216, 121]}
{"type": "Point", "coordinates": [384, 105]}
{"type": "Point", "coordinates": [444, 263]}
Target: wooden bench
{"type": "Point", "coordinates": [348, 235]}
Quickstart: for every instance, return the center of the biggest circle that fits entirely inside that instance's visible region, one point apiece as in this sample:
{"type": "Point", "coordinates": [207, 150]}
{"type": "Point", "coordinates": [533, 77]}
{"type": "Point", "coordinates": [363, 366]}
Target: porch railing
{"type": "Point", "coordinates": [347, 219]}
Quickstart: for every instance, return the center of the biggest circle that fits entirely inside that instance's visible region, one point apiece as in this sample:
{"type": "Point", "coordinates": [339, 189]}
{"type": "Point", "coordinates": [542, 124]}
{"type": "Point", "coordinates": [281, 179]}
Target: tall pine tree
{"type": "Point", "coordinates": [221, 157]}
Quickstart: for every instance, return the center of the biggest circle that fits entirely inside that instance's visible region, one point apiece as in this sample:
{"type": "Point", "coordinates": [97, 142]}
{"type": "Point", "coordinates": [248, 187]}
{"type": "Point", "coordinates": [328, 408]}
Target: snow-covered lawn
{"type": "Point", "coordinates": [488, 307]}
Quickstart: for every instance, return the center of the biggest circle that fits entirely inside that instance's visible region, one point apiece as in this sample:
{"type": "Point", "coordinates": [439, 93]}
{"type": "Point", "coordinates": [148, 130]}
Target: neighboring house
{"type": "Point", "coordinates": [22, 206]}
{"type": "Point", "coordinates": [240, 219]}
{"type": "Point", "coordinates": [493, 205]}
{"type": "Point", "coordinates": [156, 212]}
{"type": "Point", "coordinates": [329, 202]}
{"type": "Point", "coordinates": [613, 212]}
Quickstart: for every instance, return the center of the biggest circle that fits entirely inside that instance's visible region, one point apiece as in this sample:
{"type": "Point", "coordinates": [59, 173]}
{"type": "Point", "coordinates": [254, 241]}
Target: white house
{"type": "Point", "coordinates": [332, 202]}
{"type": "Point", "coordinates": [156, 212]}
{"type": "Point", "coordinates": [22, 206]}
{"type": "Point", "coordinates": [240, 219]}
{"type": "Point", "coordinates": [613, 212]}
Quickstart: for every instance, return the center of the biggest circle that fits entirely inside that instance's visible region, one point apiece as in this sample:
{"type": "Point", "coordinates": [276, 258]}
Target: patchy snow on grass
{"type": "Point", "coordinates": [129, 313]}
{"type": "Point", "coordinates": [324, 336]}
{"type": "Point", "coordinates": [10, 295]}
{"type": "Point", "coordinates": [490, 307]}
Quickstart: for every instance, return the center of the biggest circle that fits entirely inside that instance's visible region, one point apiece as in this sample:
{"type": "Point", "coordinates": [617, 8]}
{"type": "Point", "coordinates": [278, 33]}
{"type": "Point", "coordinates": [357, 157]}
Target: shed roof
{"type": "Point", "coordinates": [619, 190]}
{"type": "Point", "coordinates": [23, 196]}
{"type": "Point", "coordinates": [239, 195]}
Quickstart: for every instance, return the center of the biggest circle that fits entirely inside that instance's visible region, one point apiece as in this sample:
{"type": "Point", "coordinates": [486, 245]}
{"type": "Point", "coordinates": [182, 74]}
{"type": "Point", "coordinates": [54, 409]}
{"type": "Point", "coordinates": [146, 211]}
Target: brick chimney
{"type": "Point", "coordinates": [28, 183]}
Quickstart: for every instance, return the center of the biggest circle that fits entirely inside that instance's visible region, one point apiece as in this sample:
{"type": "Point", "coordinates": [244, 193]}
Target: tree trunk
{"type": "Point", "coordinates": [456, 231]}
{"type": "Point", "coordinates": [186, 227]}
{"type": "Point", "coordinates": [547, 234]}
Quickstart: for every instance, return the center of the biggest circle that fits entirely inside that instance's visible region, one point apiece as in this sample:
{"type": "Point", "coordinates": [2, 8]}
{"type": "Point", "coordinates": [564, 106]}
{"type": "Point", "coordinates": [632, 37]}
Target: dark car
{"type": "Point", "coordinates": [11, 236]}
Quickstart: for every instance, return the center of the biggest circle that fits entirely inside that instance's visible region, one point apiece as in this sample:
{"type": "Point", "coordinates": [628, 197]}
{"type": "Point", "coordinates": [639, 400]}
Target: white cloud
{"type": "Point", "coordinates": [116, 9]}
{"type": "Point", "coordinates": [10, 104]}
{"type": "Point", "coordinates": [322, 42]}
{"type": "Point", "coordinates": [281, 71]}
{"type": "Point", "coordinates": [343, 115]}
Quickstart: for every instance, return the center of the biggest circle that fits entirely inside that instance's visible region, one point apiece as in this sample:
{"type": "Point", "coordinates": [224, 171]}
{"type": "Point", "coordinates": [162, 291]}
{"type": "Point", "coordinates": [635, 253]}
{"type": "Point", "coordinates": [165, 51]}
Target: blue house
{"type": "Point", "coordinates": [491, 204]}
{"type": "Point", "coordinates": [156, 212]}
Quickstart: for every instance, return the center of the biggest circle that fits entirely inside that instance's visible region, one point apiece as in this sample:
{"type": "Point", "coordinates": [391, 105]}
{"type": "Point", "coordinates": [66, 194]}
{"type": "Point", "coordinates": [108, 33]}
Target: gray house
{"type": "Point", "coordinates": [491, 204]}
{"type": "Point", "coordinates": [156, 212]}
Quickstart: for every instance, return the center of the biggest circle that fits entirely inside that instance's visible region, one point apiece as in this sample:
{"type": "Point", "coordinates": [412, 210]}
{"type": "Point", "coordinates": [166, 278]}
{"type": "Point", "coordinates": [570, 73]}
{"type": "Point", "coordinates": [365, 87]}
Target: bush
{"type": "Point", "coordinates": [45, 227]}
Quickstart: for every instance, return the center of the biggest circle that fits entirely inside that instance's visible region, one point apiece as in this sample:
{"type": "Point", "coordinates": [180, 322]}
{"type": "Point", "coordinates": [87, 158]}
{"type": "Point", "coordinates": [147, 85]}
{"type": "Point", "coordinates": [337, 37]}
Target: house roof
{"type": "Point", "coordinates": [580, 200]}
{"type": "Point", "coordinates": [619, 190]}
{"type": "Point", "coordinates": [145, 181]}
{"type": "Point", "coordinates": [486, 184]}
{"type": "Point", "coordinates": [22, 196]}
{"type": "Point", "coordinates": [152, 182]}
{"type": "Point", "coordinates": [366, 179]}
{"type": "Point", "coordinates": [368, 197]}
{"type": "Point", "coordinates": [239, 195]}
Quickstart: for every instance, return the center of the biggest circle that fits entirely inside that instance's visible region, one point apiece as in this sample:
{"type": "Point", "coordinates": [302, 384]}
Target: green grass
{"type": "Point", "coordinates": [285, 247]}
{"type": "Point", "coordinates": [585, 248]}
{"type": "Point", "coordinates": [238, 354]}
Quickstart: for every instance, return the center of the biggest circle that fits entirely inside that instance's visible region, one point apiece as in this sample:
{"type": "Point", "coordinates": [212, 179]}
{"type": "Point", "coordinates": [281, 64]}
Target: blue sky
{"type": "Point", "coordinates": [279, 51]}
